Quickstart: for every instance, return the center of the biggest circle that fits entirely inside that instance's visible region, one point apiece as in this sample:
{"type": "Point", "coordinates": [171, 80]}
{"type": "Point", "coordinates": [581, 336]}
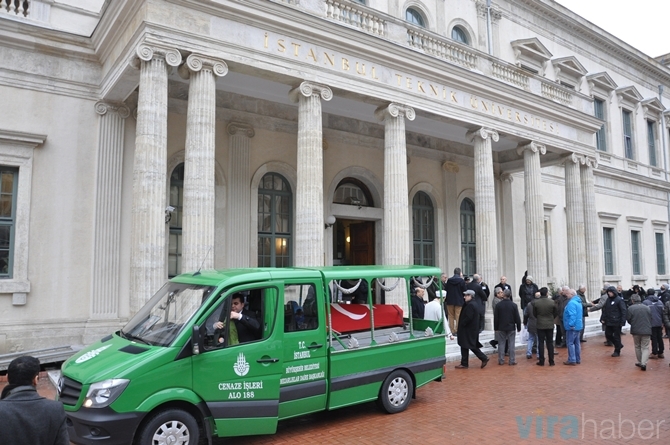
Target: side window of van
{"type": "Point", "coordinates": [242, 317]}
{"type": "Point", "coordinates": [300, 308]}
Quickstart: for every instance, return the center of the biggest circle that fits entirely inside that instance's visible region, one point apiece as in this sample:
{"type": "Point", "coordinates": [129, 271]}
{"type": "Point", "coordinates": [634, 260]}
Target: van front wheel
{"type": "Point", "coordinates": [170, 427]}
{"type": "Point", "coordinates": [396, 392]}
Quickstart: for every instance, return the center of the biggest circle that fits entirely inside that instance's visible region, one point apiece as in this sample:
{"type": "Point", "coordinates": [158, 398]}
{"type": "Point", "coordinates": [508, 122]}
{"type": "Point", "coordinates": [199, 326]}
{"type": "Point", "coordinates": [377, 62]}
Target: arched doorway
{"type": "Point", "coordinates": [353, 238]}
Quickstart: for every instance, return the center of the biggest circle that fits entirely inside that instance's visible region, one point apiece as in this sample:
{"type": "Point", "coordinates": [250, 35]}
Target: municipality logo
{"type": "Point", "coordinates": [241, 366]}
{"type": "Point", "coordinates": [90, 354]}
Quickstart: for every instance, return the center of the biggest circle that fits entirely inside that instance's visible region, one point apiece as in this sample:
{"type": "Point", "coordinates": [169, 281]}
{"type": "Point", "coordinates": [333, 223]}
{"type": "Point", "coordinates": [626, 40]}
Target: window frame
{"type": "Point", "coordinates": [274, 235]}
{"type": "Point", "coordinates": [611, 253]}
{"type": "Point", "coordinates": [628, 140]}
{"type": "Point", "coordinates": [636, 250]}
{"type": "Point", "coordinates": [600, 112]}
{"type": "Point", "coordinates": [651, 142]}
{"type": "Point", "coordinates": [17, 150]}
{"type": "Point", "coordinates": [465, 40]}
{"type": "Point", "coordinates": [176, 230]}
{"type": "Point", "coordinates": [10, 221]}
{"type": "Point", "coordinates": [660, 255]}
{"type": "Point", "coordinates": [416, 17]}
{"type": "Point", "coordinates": [467, 219]}
{"type": "Point", "coordinates": [425, 214]}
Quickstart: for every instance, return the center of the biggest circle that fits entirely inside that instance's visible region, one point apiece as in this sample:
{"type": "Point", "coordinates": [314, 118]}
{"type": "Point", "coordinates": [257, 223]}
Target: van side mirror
{"type": "Point", "coordinates": [196, 340]}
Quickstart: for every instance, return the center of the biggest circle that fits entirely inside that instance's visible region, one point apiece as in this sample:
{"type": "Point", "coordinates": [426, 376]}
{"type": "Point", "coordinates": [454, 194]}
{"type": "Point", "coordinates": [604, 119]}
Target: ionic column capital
{"type": "Point", "coordinates": [534, 147]}
{"type": "Point", "coordinates": [591, 161]}
{"type": "Point", "coordinates": [483, 133]}
{"type": "Point", "coordinates": [146, 52]}
{"type": "Point", "coordinates": [102, 107]}
{"type": "Point", "coordinates": [198, 62]}
{"type": "Point", "coordinates": [506, 177]}
{"type": "Point", "coordinates": [308, 89]}
{"type": "Point", "coordinates": [573, 158]}
{"type": "Point", "coordinates": [395, 110]}
{"type": "Point", "coordinates": [240, 128]}
{"type": "Point", "coordinates": [450, 167]}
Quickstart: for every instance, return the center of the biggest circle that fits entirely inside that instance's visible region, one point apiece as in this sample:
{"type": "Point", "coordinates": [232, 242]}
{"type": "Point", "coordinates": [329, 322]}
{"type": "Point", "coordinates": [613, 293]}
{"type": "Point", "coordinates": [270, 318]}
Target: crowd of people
{"type": "Point", "coordinates": [546, 321]}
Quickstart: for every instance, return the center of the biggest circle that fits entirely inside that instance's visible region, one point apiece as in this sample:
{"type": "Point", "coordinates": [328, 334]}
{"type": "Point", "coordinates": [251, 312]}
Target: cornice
{"type": "Point", "coordinates": [560, 18]}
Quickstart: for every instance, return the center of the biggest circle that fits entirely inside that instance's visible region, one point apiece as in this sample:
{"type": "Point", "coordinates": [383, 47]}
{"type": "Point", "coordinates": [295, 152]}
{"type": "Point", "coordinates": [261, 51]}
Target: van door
{"type": "Point", "coordinates": [237, 374]}
{"type": "Point", "coordinates": [303, 382]}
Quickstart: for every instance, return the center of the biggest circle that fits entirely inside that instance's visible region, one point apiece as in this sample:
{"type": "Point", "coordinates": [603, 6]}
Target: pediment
{"type": "Point", "coordinates": [653, 106]}
{"type": "Point", "coordinates": [601, 81]}
{"type": "Point", "coordinates": [628, 94]}
{"type": "Point", "coordinates": [569, 66]}
{"type": "Point", "coordinates": [532, 48]}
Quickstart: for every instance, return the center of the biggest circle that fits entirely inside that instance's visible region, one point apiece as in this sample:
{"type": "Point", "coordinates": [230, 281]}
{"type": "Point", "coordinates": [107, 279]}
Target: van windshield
{"type": "Point", "coordinates": [160, 320]}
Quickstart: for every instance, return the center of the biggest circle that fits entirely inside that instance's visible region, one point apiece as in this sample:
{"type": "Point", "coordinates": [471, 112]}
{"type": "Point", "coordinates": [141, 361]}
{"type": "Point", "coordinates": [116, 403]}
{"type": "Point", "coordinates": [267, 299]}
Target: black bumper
{"type": "Point", "coordinates": [102, 426]}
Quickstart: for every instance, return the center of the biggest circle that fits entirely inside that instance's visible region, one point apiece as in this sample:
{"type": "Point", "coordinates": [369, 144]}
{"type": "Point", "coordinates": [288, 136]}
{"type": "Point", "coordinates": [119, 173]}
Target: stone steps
{"type": "Point", "coordinates": [453, 351]}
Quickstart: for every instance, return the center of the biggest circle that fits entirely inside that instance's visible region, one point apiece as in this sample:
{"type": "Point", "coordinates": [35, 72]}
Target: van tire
{"type": "Point", "coordinates": [396, 392]}
{"type": "Point", "coordinates": [175, 423]}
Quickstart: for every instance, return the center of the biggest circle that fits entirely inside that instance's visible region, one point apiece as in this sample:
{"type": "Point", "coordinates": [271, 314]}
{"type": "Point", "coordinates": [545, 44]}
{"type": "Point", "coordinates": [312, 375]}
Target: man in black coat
{"type": "Point", "coordinates": [455, 287]}
{"type": "Point", "coordinates": [247, 328]}
{"type": "Point", "coordinates": [468, 331]}
{"type": "Point", "coordinates": [614, 317]}
{"type": "Point", "coordinates": [27, 417]}
{"type": "Point", "coordinates": [503, 284]}
{"type": "Point", "coordinates": [506, 323]}
{"type": "Point", "coordinates": [480, 297]}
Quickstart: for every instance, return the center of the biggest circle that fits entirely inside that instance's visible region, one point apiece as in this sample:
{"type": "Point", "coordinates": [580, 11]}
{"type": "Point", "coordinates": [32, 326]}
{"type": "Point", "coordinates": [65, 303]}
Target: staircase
{"type": "Point", "coordinates": [453, 351]}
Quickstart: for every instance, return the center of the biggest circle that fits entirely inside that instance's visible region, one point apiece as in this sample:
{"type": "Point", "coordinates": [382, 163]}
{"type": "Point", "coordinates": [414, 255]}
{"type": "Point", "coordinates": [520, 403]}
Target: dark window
{"type": "Point", "coordinates": [351, 191]}
{"type": "Point", "coordinates": [635, 251]}
{"type": "Point", "coordinates": [300, 308]}
{"type": "Point", "coordinates": [627, 134]}
{"type": "Point", "coordinates": [423, 227]}
{"type": "Point", "coordinates": [468, 240]}
{"type": "Point", "coordinates": [459, 35]}
{"type": "Point", "coordinates": [274, 221]}
{"type": "Point", "coordinates": [415, 17]}
{"type": "Point", "coordinates": [651, 140]}
{"type": "Point", "coordinates": [599, 112]}
{"type": "Point", "coordinates": [176, 201]}
{"type": "Point", "coordinates": [8, 185]}
{"type": "Point", "coordinates": [660, 254]}
{"type": "Point", "coordinates": [608, 250]}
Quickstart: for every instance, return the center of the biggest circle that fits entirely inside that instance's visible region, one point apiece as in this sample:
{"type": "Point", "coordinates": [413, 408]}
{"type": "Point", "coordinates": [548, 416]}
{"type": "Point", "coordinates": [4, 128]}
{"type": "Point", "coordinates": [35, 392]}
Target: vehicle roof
{"type": "Point", "coordinates": [243, 275]}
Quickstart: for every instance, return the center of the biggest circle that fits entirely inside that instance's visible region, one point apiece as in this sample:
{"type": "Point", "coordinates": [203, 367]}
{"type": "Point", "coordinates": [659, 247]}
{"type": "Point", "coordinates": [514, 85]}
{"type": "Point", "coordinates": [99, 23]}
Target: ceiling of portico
{"type": "Point", "coordinates": [430, 134]}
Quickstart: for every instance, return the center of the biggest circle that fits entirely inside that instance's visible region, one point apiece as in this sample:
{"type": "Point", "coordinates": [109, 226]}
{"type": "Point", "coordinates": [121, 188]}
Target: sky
{"type": "Point", "coordinates": [637, 22]}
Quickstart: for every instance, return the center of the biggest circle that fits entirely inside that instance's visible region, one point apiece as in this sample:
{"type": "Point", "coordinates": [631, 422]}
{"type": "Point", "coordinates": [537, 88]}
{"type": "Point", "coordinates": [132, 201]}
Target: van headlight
{"type": "Point", "coordinates": [103, 393]}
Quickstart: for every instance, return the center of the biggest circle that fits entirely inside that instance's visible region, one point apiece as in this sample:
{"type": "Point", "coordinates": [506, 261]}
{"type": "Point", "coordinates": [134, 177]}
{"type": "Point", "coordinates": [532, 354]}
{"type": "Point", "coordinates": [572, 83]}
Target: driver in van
{"type": "Point", "coordinates": [245, 326]}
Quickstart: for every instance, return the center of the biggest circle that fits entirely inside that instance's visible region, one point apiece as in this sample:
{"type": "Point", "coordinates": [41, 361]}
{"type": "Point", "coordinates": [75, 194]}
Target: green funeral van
{"type": "Point", "coordinates": [232, 352]}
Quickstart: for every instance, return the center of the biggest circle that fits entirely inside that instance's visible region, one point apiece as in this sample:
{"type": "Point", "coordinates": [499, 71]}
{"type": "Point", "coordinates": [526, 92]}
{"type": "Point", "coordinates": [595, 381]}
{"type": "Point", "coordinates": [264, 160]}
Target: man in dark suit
{"type": "Point", "coordinates": [480, 297]}
{"type": "Point", "coordinates": [246, 326]}
{"type": "Point", "coordinates": [468, 331]}
{"type": "Point", "coordinates": [27, 417]}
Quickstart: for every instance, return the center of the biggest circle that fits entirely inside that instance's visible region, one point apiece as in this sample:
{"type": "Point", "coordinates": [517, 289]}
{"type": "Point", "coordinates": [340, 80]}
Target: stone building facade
{"type": "Point", "coordinates": [144, 138]}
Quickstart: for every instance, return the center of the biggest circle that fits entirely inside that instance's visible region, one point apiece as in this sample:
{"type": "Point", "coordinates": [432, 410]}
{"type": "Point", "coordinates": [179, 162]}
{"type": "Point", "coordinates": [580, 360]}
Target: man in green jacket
{"type": "Point", "coordinates": [545, 311]}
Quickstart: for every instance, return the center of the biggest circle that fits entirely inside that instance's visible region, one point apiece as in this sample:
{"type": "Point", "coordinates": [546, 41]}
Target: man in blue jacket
{"type": "Point", "coordinates": [572, 322]}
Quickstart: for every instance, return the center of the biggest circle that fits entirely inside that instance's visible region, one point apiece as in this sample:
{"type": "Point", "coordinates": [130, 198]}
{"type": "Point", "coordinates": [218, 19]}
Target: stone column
{"type": "Point", "coordinates": [309, 225]}
{"type": "Point", "coordinates": [199, 180]}
{"type": "Point", "coordinates": [591, 229]}
{"type": "Point", "coordinates": [239, 194]}
{"type": "Point", "coordinates": [148, 242]}
{"type": "Point", "coordinates": [574, 212]}
{"type": "Point", "coordinates": [536, 255]}
{"type": "Point", "coordinates": [395, 227]}
{"type": "Point", "coordinates": [485, 204]}
{"type": "Point", "coordinates": [107, 226]}
{"type": "Point", "coordinates": [395, 231]}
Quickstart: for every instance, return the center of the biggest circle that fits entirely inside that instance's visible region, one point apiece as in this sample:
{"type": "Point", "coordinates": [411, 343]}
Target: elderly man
{"type": "Point", "coordinates": [585, 313]}
{"type": "Point", "coordinates": [27, 417]}
{"type": "Point", "coordinates": [639, 317]}
{"type": "Point", "coordinates": [503, 284]}
{"type": "Point", "coordinates": [468, 331]}
{"type": "Point", "coordinates": [506, 323]}
{"type": "Point", "coordinates": [572, 322]}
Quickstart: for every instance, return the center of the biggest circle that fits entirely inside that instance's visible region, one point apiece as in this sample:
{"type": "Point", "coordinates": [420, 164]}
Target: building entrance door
{"type": "Point", "coordinates": [354, 242]}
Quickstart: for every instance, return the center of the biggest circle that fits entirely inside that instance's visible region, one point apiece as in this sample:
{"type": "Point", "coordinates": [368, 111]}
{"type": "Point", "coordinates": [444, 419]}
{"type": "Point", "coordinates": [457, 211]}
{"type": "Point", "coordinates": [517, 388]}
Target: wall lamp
{"type": "Point", "coordinates": [330, 221]}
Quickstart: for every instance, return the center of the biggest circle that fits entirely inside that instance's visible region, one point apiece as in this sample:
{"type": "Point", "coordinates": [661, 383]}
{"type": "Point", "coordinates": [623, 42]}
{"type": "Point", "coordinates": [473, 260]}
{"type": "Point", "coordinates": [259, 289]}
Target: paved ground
{"type": "Point", "coordinates": [603, 400]}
